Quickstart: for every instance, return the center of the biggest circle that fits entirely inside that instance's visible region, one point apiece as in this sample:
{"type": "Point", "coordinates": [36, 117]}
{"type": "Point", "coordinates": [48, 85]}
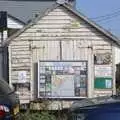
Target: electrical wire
{"type": "Point", "coordinates": [112, 13]}
{"type": "Point", "coordinates": [107, 16]}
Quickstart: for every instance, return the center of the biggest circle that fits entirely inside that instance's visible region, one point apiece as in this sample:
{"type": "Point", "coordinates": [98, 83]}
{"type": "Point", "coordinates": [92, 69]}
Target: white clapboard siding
{"type": "Point", "coordinates": [44, 40]}
{"type": "Point", "coordinates": [117, 55]}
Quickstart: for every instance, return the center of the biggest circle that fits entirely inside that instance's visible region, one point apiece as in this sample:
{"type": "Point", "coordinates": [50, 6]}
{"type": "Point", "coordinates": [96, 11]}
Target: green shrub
{"type": "Point", "coordinates": [37, 116]}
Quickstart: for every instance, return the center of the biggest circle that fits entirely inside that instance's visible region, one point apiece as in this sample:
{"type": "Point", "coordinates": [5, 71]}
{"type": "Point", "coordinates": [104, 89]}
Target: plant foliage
{"type": "Point", "coordinates": [37, 116]}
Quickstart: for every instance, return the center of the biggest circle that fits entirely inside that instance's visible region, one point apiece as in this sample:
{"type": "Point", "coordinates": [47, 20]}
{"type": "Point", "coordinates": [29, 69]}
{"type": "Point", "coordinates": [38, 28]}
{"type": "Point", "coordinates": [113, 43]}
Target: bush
{"type": "Point", "coordinates": [37, 116]}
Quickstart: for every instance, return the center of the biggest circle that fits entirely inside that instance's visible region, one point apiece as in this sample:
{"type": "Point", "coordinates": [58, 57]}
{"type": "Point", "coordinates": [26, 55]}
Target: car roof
{"type": "Point", "coordinates": [4, 88]}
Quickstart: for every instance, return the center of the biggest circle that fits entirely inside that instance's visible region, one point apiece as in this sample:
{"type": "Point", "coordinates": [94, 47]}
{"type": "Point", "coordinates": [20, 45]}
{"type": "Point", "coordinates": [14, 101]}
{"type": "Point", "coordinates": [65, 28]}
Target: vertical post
{"type": "Point", "coordinates": [90, 87]}
{"type": "Point", "coordinates": [3, 26]}
{"type": "Point", "coordinates": [2, 39]}
{"type": "Point", "coordinates": [60, 42]}
{"type": "Point", "coordinates": [113, 70]}
{"type": "Point", "coordinates": [10, 65]}
{"type": "Point", "coordinates": [31, 71]}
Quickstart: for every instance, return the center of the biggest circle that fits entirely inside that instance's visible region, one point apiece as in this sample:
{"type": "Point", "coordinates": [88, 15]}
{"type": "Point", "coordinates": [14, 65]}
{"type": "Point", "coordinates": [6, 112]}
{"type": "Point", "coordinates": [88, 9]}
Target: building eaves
{"type": "Point", "coordinates": [16, 19]}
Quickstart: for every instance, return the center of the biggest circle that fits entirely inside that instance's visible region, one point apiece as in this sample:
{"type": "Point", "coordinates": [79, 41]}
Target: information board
{"type": "Point", "coordinates": [103, 83]}
{"type": "Point", "coordinates": [62, 79]}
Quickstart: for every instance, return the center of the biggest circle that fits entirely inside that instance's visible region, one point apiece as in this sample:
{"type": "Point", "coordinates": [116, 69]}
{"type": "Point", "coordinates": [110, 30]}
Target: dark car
{"type": "Point", "coordinates": [101, 108]}
{"type": "Point", "coordinates": [9, 102]}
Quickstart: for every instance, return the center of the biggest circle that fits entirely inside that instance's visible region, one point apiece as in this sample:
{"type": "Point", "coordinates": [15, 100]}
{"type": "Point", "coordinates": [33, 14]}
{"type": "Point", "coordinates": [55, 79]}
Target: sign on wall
{"type": "Point", "coordinates": [103, 83]}
{"type": "Point", "coordinates": [103, 77]}
{"type": "Point", "coordinates": [103, 58]}
{"type": "Point", "coordinates": [103, 71]}
{"type": "Point", "coordinates": [22, 76]}
{"type": "Point", "coordinates": [65, 79]}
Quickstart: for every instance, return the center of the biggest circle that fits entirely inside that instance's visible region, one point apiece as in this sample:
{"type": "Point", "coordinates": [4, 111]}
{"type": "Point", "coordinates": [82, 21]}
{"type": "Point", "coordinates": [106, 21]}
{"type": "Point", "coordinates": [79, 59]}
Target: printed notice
{"type": "Point", "coordinates": [108, 84]}
{"type": "Point", "coordinates": [22, 76]}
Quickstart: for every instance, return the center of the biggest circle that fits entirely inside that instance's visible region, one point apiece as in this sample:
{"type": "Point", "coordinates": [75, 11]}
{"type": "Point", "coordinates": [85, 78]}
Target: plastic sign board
{"type": "Point", "coordinates": [103, 83]}
{"type": "Point", "coordinates": [62, 79]}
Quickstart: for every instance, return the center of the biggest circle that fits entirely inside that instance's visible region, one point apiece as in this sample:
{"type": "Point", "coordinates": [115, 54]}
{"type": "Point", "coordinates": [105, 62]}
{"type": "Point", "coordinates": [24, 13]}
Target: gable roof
{"type": "Point", "coordinates": [113, 38]}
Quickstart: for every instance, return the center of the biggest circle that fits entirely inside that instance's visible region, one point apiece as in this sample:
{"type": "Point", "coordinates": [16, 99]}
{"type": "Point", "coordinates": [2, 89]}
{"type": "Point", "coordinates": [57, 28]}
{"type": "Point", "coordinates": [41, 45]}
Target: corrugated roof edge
{"type": "Point", "coordinates": [16, 19]}
{"type": "Point", "coordinates": [114, 39]}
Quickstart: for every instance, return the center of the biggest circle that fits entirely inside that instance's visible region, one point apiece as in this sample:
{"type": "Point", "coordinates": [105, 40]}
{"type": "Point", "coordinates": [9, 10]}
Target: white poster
{"type": "Point", "coordinates": [63, 86]}
{"type": "Point", "coordinates": [108, 83]}
{"type": "Point", "coordinates": [22, 76]}
{"type": "Point", "coordinates": [103, 71]}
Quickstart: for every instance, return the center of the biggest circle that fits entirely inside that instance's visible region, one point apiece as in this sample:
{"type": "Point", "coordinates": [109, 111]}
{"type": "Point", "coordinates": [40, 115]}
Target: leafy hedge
{"type": "Point", "coordinates": [37, 116]}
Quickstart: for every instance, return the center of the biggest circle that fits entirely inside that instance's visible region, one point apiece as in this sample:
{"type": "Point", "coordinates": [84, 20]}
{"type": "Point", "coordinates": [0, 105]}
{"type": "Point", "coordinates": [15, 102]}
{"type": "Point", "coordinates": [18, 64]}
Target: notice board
{"type": "Point", "coordinates": [103, 83]}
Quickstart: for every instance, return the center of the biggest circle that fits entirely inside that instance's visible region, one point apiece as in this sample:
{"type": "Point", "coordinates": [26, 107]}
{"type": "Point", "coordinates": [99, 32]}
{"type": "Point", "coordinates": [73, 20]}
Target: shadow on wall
{"type": "Point", "coordinates": [35, 80]}
{"type": "Point", "coordinates": [118, 78]}
{"type": "Point", "coordinates": [4, 72]}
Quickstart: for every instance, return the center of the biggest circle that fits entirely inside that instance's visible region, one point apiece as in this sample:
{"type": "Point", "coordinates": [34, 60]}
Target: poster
{"type": "Point", "coordinates": [103, 77]}
{"type": "Point", "coordinates": [108, 83]}
{"type": "Point", "coordinates": [103, 71]}
{"type": "Point", "coordinates": [63, 86]}
{"type": "Point", "coordinates": [67, 79]}
{"type": "Point", "coordinates": [103, 83]}
{"type": "Point", "coordinates": [22, 76]}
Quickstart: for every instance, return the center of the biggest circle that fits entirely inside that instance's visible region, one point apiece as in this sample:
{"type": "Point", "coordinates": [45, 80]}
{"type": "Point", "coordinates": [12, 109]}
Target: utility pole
{"type": "Point", "coordinates": [3, 27]}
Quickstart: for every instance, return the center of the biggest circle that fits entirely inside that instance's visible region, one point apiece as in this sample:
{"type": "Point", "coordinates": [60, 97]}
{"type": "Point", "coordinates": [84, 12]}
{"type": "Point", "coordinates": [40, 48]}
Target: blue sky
{"type": "Point", "coordinates": [96, 8]}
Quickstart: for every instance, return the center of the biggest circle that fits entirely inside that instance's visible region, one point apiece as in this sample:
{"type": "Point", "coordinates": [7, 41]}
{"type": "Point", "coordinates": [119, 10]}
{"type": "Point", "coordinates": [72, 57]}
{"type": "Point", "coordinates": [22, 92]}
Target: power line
{"type": "Point", "coordinates": [112, 13]}
{"type": "Point", "coordinates": [107, 16]}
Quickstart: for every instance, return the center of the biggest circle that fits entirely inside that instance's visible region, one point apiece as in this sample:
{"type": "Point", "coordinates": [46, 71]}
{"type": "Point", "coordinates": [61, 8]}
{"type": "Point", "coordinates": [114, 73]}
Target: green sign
{"type": "Point", "coordinates": [102, 83]}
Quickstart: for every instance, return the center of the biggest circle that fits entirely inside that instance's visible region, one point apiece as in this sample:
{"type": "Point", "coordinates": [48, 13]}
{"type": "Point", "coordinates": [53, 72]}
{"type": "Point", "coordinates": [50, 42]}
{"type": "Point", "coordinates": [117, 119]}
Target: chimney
{"type": "Point", "coordinates": [62, 1]}
{"type": "Point", "coordinates": [72, 2]}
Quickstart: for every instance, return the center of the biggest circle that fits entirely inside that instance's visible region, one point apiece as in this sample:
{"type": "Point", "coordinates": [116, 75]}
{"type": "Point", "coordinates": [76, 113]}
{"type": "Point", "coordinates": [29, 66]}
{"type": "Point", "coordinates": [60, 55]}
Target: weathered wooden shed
{"type": "Point", "coordinates": [62, 55]}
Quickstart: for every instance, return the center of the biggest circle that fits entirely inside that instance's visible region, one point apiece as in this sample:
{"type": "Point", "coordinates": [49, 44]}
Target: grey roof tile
{"type": "Point", "coordinates": [24, 10]}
